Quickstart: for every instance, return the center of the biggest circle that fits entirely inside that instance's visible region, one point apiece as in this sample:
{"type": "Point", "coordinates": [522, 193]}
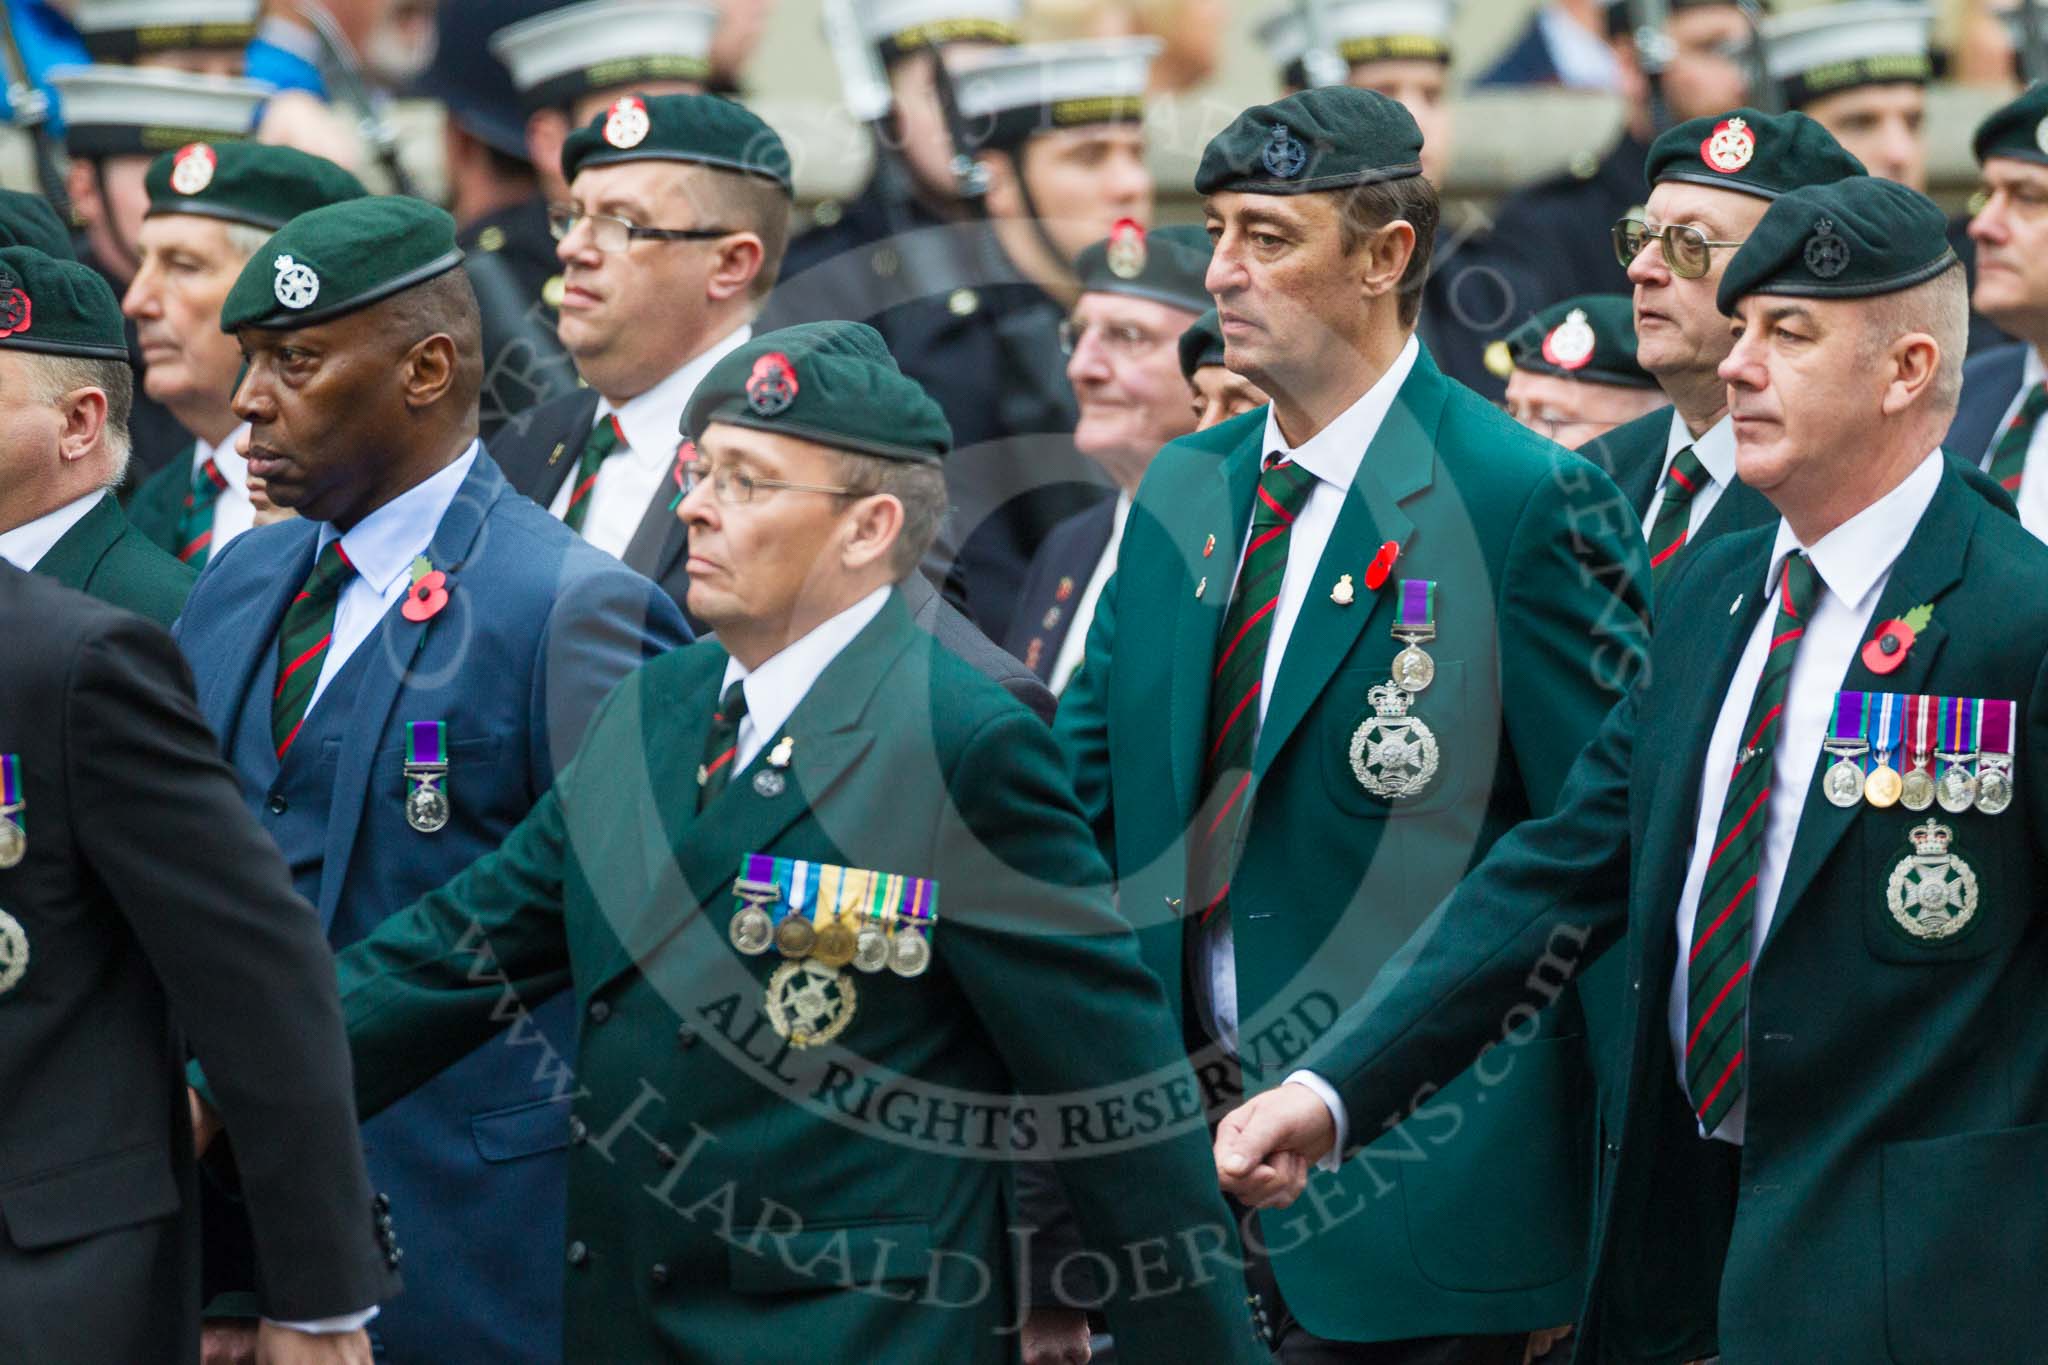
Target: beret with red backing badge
{"type": "Point", "coordinates": [705, 130]}
{"type": "Point", "coordinates": [57, 307]}
{"type": "Point", "coordinates": [1750, 152]}
{"type": "Point", "coordinates": [834, 383]}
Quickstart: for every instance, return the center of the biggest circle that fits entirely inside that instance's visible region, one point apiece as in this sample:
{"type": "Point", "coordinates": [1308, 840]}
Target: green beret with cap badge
{"type": "Point", "coordinates": [339, 259]}
{"type": "Point", "coordinates": [1329, 138]}
{"type": "Point", "coordinates": [707, 130]}
{"type": "Point", "coordinates": [1201, 345]}
{"type": "Point", "coordinates": [1853, 239]}
{"type": "Point", "coordinates": [58, 307]}
{"type": "Point", "coordinates": [1591, 338]}
{"type": "Point", "coordinates": [834, 383]}
{"type": "Point", "coordinates": [1750, 152]}
{"type": "Point", "coordinates": [246, 182]}
{"type": "Point", "coordinates": [1166, 265]}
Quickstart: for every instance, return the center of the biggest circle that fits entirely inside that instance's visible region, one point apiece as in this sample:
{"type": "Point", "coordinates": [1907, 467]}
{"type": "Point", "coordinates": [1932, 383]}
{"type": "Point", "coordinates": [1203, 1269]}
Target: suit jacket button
{"type": "Point", "coordinates": [278, 805]}
{"type": "Point", "coordinates": [599, 1011]}
{"type": "Point", "coordinates": [381, 1204]}
{"type": "Point", "coordinates": [578, 1129]}
{"type": "Point", "coordinates": [658, 1273]}
{"type": "Point", "coordinates": [686, 1036]}
{"type": "Point", "coordinates": [578, 1253]}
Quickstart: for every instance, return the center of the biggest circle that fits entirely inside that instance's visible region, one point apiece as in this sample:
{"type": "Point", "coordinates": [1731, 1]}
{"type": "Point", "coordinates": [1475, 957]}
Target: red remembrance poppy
{"type": "Point", "coordinates": [1888, 648]}
{"type": "Point", "coordinates": [424, 599]}
{"type": "Point", "coordinates": [1382, 565]}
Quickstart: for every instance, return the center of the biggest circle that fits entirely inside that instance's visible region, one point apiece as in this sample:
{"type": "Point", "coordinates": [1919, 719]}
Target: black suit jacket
{"type": "Point", "coordinates": [1053, 585]}
{"type": "Point", "coordinates": [155, 919]}
{"type": "Point", "coordinates": [1633, 455]}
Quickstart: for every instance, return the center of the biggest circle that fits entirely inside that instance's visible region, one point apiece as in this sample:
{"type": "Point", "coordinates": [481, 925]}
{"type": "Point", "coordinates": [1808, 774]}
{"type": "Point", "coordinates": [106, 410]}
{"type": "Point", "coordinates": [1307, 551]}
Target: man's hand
{"type": "Point", "coordinates": [228, 1341]}
{"type": "Point", "coordinates": [1266, 1146]}
{"type": "Point", "coordinates": [206, 1124]}
{"type": "Point", "coordinates": [1056, 1336]}
{"type": "Point", "coordinates": [277, 1345]}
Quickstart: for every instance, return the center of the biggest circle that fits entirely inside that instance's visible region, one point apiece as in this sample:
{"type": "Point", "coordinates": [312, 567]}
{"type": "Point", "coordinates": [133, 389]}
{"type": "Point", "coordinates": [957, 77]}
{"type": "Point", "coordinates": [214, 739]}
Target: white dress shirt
{"type": "Point", "coordinates": [1854, 562]}
{"type": "Point", "coordinates": [1333, 456]}
{"type": "Point", "coordinates": [2033, 494]}
{"type": "Point", "coordinates": [382, 546]}
{"type": "Point", "coordinates": [779, 685]}
{"type": "Point", "coordinates": [1075, 645]}
{"type": "Point", "coordinates": [25, 545]}
{"type": "Point", "coordinates": [1716, 451]}
{"type": "Point", "coordinates": [233, 513]}
{"type": "Point", "coordinates": [1584, 60]}
{"type": "Point", "coordinates": [628, 481]}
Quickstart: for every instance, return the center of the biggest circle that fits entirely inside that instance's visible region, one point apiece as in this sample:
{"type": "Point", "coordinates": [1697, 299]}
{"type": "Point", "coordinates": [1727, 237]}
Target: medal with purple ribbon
{"type": "Point", "coordinates": [1994, 761]}
{"type": "Point", "coordinates": [752, 928]}
{"type": "Point", "coordinates": [910, 947]}
{"type": "Point", "coordinates": [1957, 788]}
{"type": "Point", "coordinates": [1414, 625]}
{"type": "Point", "coordinates": [426, 775]}
{"type": "Point", "coordinates": [1843, 782]}
{"type": "Point", "coordinates": [13, 822]}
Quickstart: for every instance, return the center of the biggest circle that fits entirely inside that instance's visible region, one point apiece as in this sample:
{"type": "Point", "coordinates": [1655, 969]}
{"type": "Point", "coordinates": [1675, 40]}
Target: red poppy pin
{"type": "Point", "coordinates": [1382, 565]}
{"type": "Point", "coordinates": [428, 593]}
{"type": "Point", "coordinates": [772, 386]}
{"type": "Point", "coordinates": [1886, 650]}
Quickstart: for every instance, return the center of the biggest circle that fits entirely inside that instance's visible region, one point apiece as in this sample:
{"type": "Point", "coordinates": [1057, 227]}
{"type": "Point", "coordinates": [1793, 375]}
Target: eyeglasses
{"type": "Point", "coordinates": [735, 488]}
{"type": "Point", "coordinates": [610, 234]}
{"type": "Point", "coordinates": [1686, 250]}
{"type": "Point", "coordinates": [1119, 339]}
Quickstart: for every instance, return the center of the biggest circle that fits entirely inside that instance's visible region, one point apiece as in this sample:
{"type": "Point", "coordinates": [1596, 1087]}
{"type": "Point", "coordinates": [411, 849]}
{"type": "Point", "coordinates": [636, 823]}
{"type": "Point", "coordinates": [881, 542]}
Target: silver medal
{"type": "Point", "coordinates": [1413, 669]}
{"type": "Point", "coordinates": [1917, 792]}
{"type": "Point", "coordinates": [1957, 789]}
{"type": "Point", "coordinates": [870, 948]}
{"type": "Point", "coordinates": [909, 953]}
{"type": "Point", "coordinates": [1843, 783]}
{"type": "Point", "coordinates": [13, 843]}
{"type": "Point", "coordinates": [426, 810]}
{"type": "Point", "coordinates": [1994, 784]}
{"type": "Point", "coordinates": [1932, 893]}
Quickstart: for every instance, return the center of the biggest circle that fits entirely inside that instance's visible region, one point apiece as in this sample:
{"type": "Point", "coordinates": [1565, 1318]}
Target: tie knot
{"type": "Point", "coordinates": [207, 478]}
{"type": "Point", "coordinates": [1800, 583]}
{"type": "Point", "coordinates": [732, 706]}
{"type": "Point", "coordinates": [331, 569]}
{"type": "Point", "coordinates": [1283, 490]}
{"type": "Point", "coordinates": [605, 439]}
{"type": "Point", "coordinates": [1688, 477]}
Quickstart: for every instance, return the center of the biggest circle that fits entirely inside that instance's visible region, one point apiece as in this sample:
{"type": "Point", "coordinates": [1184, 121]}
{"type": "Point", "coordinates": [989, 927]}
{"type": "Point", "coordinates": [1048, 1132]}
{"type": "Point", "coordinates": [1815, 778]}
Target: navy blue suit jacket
{"type": "Point", "coordinates": [538, 628]}
{"type": "Point", "coordinates": [1990, 382]}
{"type": "Point", "coordinates": [1044, 614]}
{"type": "Point", "coordinates": [1527, 62]}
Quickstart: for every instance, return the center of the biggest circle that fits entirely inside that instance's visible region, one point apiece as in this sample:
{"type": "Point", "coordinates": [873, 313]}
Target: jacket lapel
{"type": "Point", "coordinates": [391, 649]}
{"type": "Point", "coordinates": [243, 647]}
{"type": "Point", "coordinates": [1929, 566]}
{"type": "Point", "coordinates": [547, 464]}
{"type": "Point", "coordinates": [1222, 508]}
{"type": "Point", "coordinates": [78, 551]}
{"type": "Point", "coordinates": [1400, 463]}
{"type": "Point", "coordinates": [660, 538]}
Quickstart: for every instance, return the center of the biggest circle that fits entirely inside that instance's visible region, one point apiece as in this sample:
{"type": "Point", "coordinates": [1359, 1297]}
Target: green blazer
{"type": "Point", "coordinates": [1887, 1204]}
{"type": "Point", "coordinates": [155, 507]}
{"type": "Point", "coordinates": [104, 557]}
{"type": "Point", "coordinates": [1540, 624]}
{"type": "Point", "coordinates": [1633, 453]}
{"type": "Point", "coordinates": [733, 1199]}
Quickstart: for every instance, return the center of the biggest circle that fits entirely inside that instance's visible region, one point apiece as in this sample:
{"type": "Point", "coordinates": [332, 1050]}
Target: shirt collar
{"type": "Point", "coordinates": [1333, 454]}
{"type": "Point", "coordinates": [653, 421]}
{"type": "Point", "coordinates": [774, 689]}
{"type": "Point", "coordinates": [1715, 448]}
{"type": "Point", "coordinates": [226, 457]}
{"type": "Point", "coordinates": [25, 545]}
{"type": "Point", "coordinates": [1856, 556]}
{"type": "Point", "coordinates": [2033, 372]}
{"type": "Point", "coordinates": [384, 544]}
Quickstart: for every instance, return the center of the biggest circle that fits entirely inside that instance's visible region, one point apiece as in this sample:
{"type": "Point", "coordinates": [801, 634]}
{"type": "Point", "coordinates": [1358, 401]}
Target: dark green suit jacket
{"type": "Point", "coordinates": [155, 508]}
{"type": "Point", "coordinates": [1540, 624]}
{"type": "Point", "coordinates": [1888, 1203]}
{"type": "Point", "coordinates": [732, 1199]}
{"type": "Point", "coordinates": [104, 557]}
{"type": "Point", "coordinates": [1633, 453]}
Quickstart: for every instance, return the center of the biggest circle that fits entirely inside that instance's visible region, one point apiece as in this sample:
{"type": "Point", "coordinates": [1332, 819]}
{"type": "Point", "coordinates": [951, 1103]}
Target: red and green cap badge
{"type": "Point", "coordinates": [57, 307]}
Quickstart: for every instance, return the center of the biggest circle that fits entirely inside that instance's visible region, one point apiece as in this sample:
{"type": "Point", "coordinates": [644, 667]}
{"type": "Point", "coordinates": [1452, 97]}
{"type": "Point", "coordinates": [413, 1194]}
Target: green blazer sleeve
{"type": "Point", "coordinates": [1082, 724]}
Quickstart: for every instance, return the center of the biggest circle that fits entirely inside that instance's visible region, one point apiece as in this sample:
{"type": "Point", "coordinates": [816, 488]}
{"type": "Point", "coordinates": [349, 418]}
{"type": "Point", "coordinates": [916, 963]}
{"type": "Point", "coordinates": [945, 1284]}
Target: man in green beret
{"type": "Point", "coordinates": [1139, 292]}
{"type": "Point", "coordinates": [2005, 389]}
{"type": "Point", "coordinates": [1218, 392]}
{"type": "Point", "coordinates": [818, 888]}
{"type": "Point", "coordinates": [1757, 822]}
{"type": "Point", "coordinates": [211, 205]}
{"type": "Point", "coordinates": [28, 220]}
{"type": "Point", "coordinates": [395, 675]}
{"type": "Point", "coordinates": [65, 391]}
{"type": "Point", "coordinates": [1711, 180]}
{"type": "Point", "coordinates": [1575, 374]}
{"type": "Point", "coordinates": [1290, 734]}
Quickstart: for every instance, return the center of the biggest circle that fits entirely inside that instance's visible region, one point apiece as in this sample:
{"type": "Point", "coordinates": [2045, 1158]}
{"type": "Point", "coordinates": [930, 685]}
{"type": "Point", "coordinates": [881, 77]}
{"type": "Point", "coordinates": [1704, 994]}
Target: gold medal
{"type": "Point", "coordinates": [835, 944]}
{"type": "Point", "coordinates": [808, 1003]}
{"type": "Point", "coordinates": [1883, 788]}
{"type": "Point", "coordinates": [909, 954]}
{"type": "Point", "coordinates": [794, 936]}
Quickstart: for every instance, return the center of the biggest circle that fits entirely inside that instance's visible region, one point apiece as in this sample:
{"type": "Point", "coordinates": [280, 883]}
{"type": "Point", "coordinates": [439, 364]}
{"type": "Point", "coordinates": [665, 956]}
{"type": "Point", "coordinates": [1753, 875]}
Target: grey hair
{"type": "Point", "coordinates": [921, 488]}
{"type": "Point", "coordinates": [246, 240]}
{"type": "Point", "coordinates": [1941, 309]}
{"type": "Point", "coordinates": [51, 377]}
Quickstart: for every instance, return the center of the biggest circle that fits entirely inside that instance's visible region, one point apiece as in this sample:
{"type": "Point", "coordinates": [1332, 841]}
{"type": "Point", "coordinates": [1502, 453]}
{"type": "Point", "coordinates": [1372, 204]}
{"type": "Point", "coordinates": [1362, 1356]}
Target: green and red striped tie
{"type": "Point", "coordinates": [195, 520]}
{"type": "Point", "coordinates": [2009, 458]}
{"type": "Point", "coordinates": [721, 744]}
{"type": "Point", "coordinates": [1234, 686]}
{"type": "Point", "coordinates": [1687, 479]}
{"type": "Point", "coordinates": [606, 440]}
{"type": "Point", "coordinates": [302, 643]}
{"type": "Point", "coordinates": [1717, 972]}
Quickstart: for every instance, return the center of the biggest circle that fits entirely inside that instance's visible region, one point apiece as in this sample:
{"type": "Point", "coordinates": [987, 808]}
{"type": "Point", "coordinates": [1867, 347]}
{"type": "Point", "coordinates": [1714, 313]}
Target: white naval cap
{"type": "Point", "coordinates": [1818, 51]}
{"type": "Point", "coordinates": [1007, 96]}
{"type": "Point", "coordinates": [899, 27]}
{"type": "Point", "coordinates": [139, 110]}
{"type": "Point", "coordinates": [122, 30]}
{"type": "Point", "coordinates": [557, 57]}
{"type": "Point", "coordinates": [1362, 31]}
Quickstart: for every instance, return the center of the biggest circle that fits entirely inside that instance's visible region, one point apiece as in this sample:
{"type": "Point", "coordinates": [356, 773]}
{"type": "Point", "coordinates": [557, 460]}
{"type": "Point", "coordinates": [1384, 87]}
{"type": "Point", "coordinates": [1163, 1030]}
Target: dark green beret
{"type": "Point", "coordinates": [246, 182]}
{"type": "Point", "coordinates": [1590, 338]}
{"type": "Point", "coordinates": [1167, 265]}
{"type": "Point", "coordinates": [706, 129]}
{"type": "Point", "coordinates": [1329, 138]}
{"type": "Point", "coordinates": [58, 307]}
{"type": "Point", "coordinates": [1750, 152]}
{"type": "Point", "coordinates": [2018, 130]}
{"type": "Point", "coordinates": [341, 258]}
{"type": "Point", "coordinates": [28, 220]}
{"type": "Point", "coordinates": [1849, 240]}
{"type": "Point", "coordinates": [1201, 344]}
{"type": "Point", "coordinates": [830, 382]}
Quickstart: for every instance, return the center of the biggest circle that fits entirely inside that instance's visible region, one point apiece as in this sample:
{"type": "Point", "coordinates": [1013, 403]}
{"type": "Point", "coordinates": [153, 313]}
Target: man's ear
{"type": "Point", "coordinates": [429, 370]}
{"type": "Point", "coordinates": [1385, 256]}
{"type": "Point", "coordinates": [1916, 362]}
{"type": "Point", "coordinates": [739, 260]}
{"type": "Point", "coordinates": [85, 419]}
{"type": "Point", "coordinates": [876, 523]}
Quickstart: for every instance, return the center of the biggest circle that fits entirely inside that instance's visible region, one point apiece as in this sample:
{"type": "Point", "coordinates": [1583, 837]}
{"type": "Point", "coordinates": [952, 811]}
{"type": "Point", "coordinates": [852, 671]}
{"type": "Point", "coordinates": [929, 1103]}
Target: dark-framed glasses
{"type": "Point", "coordinates": [1687, 252]}
{"type": "Point", "coordinates": [613, 234]}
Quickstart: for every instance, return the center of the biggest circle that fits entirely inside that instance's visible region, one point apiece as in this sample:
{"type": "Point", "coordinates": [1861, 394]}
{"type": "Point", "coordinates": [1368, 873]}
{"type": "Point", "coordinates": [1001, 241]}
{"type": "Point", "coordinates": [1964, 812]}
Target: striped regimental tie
{"type": "Point", "coordinates": [1234, 687]}
{"type": "Point", "coordinates": [1717, 973]}
{"type": "Point", "coordinates": [721, 745]}
{"type": "Point", "coordinates": [1668, 533]}
{"type": "Point", "coordinates": [606, 440]}
{"type": "Point", "coordinates": [2009, 457]}
{"type": "Point", "coordinates": [195, 519]}
{"type": "Point", "coordinates": [302, 643]}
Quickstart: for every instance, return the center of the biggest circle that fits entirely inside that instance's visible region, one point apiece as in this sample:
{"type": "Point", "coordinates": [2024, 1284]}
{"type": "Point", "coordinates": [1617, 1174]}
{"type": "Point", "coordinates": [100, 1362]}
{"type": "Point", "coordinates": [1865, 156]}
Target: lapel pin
{"type": "Point", "coordinates": [769, 783]}
{"type": "Point", "coordinates": [555, 455]}
{"type": "Point", "coordinates": [1201, 588]}
{"type": "Point", "coordinates": [1736, 605]}
{"type": "Point", "coordinates": [778, 757]}
{"type": "Point", "coordinates": [1208, 547]}
{"type": "Point", "coordinates": [1342, 594]}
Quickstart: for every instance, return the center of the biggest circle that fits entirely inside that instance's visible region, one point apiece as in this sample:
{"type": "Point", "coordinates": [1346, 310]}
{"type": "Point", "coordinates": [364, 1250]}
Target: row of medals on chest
{"type": "Point", "coordinates": [810, 998]}
{"type": "Point", "coordinates": [1989, 788]}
